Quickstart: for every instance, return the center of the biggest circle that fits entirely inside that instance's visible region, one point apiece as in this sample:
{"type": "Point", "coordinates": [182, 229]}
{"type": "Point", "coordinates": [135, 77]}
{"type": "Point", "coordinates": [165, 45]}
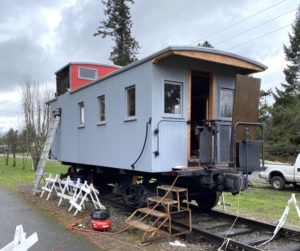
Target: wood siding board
{"type": "Point", "coordinates": [245, 107]}
{"type": "Point", "coordinates": [222, 59]}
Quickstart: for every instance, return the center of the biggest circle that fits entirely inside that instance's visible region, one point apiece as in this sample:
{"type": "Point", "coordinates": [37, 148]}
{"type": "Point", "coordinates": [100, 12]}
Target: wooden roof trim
{"type": "Point", "coordinates": [212, 57]}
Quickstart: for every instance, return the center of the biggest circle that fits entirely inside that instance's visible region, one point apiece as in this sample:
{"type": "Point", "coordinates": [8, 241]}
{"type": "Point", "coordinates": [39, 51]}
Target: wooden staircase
{"type": "Point", "coordinates": [152, 221]}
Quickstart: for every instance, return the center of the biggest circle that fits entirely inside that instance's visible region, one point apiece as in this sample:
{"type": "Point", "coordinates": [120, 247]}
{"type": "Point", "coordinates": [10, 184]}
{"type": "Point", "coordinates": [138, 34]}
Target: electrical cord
{"type": "Point", "coordinates": [227, 240]}
{"type": "Point", "coordinates": [143, 148]}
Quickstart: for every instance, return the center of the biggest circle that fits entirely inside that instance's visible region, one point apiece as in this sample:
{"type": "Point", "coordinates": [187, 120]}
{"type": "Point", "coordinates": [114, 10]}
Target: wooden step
{"type": "Point", "coordinates": [142, 226]}
{"type": "Point", "coordinates": [174, 189]}
{"type": "Point", "coordinates": [155, 213]}
{"type": "Point", "coordinates": [166, 201]}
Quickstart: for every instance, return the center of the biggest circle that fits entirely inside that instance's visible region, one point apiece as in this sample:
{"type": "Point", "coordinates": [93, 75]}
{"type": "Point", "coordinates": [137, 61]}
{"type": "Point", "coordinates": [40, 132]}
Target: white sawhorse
{"type": "Point", "coordinates": [84, 191]}
{"type": "Point", "coordinates": [66, 192]}
{"type": "Point", "coordinates": [20, 243]}
{"type": "Point", "coordinates": [52, 182]}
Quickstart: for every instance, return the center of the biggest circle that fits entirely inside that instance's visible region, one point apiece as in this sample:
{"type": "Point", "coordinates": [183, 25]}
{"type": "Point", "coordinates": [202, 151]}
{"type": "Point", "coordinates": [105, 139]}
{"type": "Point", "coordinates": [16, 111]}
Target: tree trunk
{"type": "Point", "coordinates": [6, 159]}
{"type": "Point", "coordinates": [14, 153]}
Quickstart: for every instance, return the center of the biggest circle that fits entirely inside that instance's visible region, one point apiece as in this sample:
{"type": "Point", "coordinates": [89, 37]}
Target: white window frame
{"type": "Point", "coordinates": [173, 115]}
{"type": "Point", "coordinates": [81, 114]}
{"type": "Point", "coordinates": [79, 77]}
{"type": "Point", "coordinates": [127, 117]}
{"type": "Point", "coordinates": [101, 122]}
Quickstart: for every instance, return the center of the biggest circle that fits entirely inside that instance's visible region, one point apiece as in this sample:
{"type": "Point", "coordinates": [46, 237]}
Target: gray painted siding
{"type": "Point", "coordinates": [173, 136]}
{"type": "Point", "coordinates": [118, 142]}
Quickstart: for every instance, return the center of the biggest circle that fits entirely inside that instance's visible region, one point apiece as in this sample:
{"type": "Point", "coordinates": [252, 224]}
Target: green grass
{"type": "Point", "coordinates": [10, 176]}
{"type": "Point", "coordinates": [264, 203]}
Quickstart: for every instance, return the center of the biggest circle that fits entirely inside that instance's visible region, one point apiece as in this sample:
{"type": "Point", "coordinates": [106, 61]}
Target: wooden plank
{"type": "Point", "coordinates": [155, 213]}
{"type": "Point", "coordinates": [174, 189]}
{"type": "Point", "coordinates": [212, 97]}
{"type": "Point", "coordinates": [213, 57]}
{"type": "Point", "coordinates": [141, 226]}
{"type": "Point", "coordinates": [166, 201]}
{"type": "Point", "coordinates": [222, 59]}
{"type": "Point", "coordinates": [212, 105]}
{"type": "Point", "coordinates": [189, 109]}
{"type": "Point", "coordinates": [246, 102]}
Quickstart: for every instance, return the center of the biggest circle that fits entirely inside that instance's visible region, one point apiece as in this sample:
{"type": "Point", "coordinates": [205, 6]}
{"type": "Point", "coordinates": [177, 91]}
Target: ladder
{"type": "Point", "coordinates": [44, 156]}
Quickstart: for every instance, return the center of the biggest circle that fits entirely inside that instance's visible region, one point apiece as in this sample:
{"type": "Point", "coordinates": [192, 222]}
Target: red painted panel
{"type": "Point", "coordinates": [76, 82]}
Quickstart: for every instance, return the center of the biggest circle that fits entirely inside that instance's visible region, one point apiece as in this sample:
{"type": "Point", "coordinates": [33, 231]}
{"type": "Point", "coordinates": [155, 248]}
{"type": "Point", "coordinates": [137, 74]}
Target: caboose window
{"type": "Point", "coordinates": [226, 103]}
{"type": "Point", "coordinates": [87, 73]}
{"type": "Point", "coordinates": [130, 99]}
{"type": "Point", "coordinates": [101, 100]}
{"type": "Point", "coordinates": [172, 98]}
{"type": "Point", "coordinates": [81, 111]}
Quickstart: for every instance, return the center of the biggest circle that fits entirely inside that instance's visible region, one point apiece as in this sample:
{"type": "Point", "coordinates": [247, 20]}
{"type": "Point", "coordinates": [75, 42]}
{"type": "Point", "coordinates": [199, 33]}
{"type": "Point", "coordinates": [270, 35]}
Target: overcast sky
{"type": "Point", "coordinates": [38, 37]}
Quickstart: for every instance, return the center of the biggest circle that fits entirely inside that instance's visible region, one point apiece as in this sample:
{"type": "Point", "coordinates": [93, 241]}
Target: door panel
{"type": "Point", "coordinates": [246, 102]}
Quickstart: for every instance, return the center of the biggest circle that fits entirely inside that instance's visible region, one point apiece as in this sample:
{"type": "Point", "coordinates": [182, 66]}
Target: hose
{"type": "Point", "coordinates": [145, 141]}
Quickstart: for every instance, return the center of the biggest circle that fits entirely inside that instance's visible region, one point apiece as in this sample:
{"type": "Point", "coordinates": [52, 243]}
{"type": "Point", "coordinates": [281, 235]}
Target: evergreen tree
{"type": "Point", "coordinates": [292, 72]}
{"type": "Point", "coordinates": [283, 129]}
{"type": "Point", "coordinates": [118, 26]}
{"type": "Point", "coordinates": [206, 44]}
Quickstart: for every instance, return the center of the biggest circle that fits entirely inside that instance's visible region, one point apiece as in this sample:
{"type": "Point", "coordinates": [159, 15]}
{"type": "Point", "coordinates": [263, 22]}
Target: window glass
{"type": "Point", "coordinates": [101, 108]}
{"type": "Point", "coordinates": [87, 73]}
{"type": "Point", "coordinates": [81, 109]}
{"type": "Point", "coordinates": [130, 101]}
{"type": "Point", "coordinates": [173, 96]}
{"type": "Point", "coordinates": [226, 103]}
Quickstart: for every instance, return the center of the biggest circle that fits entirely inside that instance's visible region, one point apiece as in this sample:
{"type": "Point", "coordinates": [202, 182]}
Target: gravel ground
{"type": "Point", "coordinates": [128, 240]}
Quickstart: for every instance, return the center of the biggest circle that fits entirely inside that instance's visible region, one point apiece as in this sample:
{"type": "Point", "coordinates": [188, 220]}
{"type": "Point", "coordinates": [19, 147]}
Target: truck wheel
{"type": "Point", "coordinates": [277, 183]}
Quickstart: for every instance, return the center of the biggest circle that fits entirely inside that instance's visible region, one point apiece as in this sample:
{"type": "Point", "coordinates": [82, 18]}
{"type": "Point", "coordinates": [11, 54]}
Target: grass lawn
{"type": "Point", "coordinates": [10, 176]}
{"type": "Point", "coordinates": [263, 203]}
{"type": "Point", "coordinates": [260, 202]}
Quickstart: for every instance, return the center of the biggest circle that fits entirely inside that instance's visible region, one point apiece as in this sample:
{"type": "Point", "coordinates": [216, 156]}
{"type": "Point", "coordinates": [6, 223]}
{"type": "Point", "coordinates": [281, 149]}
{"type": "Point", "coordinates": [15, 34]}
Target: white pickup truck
{"type": "Point", "coordinates": [280, 174]}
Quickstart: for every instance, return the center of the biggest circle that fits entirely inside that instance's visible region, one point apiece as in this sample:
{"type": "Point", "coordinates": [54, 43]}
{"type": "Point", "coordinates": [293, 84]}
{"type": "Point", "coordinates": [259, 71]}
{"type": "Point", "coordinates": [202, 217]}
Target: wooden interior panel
{"type": "Point", "coordinates": [212, 57]}
{"type": "Point", "coordinates": [212, 97]}
{"type": "Point", "coordinates": [246, 102]}
{"type": "Point", "coordinates": [189, 105]}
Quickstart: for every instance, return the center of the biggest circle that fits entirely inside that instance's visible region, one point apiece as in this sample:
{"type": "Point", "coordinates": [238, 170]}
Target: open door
{"type": "Point", "coordinates": [246, 103]}
{"type": "Point", "coordinates": [199, 102]}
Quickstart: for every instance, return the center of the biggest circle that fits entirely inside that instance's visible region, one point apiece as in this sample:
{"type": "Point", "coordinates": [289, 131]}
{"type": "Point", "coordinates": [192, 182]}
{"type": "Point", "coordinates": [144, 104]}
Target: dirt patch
{"type": "Point", "coordinates": [127, 240]}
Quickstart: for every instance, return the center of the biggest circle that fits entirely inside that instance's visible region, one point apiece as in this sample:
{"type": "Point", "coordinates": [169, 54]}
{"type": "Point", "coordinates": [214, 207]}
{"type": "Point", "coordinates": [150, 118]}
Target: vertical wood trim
{"type": "Point", "coordinates": [189, 106]}
{"type": "Point", "coordinates": [212, 105]}
{"type": "Point", "coordinates": [212, 96]}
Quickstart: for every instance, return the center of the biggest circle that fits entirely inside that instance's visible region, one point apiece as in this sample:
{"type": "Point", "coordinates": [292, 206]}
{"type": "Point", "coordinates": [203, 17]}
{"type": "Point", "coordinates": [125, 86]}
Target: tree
{"type": "Point", "coordinates": [35, 117]}
{"type": "Point", "coordinates": [283, 128]}
{"type": "Point", "coordinates": [118, 26]}
{"type": "Point", "coordinates": [292, 71]}
{"type": "Point", "coordinates": [206, 44]}
{"type": "Point", "coordinates": [11, 139]}
{"type": "Point", "coordinates": [264, 108]}
{"type": "Point", "coordinates": [25, 141]}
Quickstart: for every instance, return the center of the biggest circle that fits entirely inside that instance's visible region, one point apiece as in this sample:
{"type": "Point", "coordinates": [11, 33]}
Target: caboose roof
{"type": "Point", "coordinates": [246, 65]}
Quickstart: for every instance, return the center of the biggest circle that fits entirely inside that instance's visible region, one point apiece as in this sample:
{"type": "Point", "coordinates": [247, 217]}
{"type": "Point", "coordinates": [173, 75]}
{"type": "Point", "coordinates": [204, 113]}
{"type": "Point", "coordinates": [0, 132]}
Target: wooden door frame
{"type": "Point", "coordinates": [211, 104]}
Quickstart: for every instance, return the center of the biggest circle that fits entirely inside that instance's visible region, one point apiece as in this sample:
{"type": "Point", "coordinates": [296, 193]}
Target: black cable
{"type": "Point", "coordinates": [143, 148]}
{"type": "Point", "coordinates": [242, 20]}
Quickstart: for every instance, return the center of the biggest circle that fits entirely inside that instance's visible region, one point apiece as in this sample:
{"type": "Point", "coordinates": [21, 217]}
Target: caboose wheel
{"type": "Point", "coordinates": [207, 200]}
{"type": "Point", "coordinates": [135, 195]}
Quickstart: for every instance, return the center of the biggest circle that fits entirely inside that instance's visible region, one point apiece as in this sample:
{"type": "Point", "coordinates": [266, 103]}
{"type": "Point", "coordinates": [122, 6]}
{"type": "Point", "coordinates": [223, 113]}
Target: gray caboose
{"type": "Point", "coordinates": [171, 112]}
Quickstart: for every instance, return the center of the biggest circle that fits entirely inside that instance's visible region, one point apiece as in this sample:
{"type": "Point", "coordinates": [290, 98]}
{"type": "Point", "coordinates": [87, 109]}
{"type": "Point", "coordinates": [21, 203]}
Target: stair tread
{"type": "Point", "coordinates": [174, 189]}
{"type": "Point", "coordinates": [165, 201]}
{"type": "Point", "coordinates": [155, 213]}
{"type": "Point", "coordinates": [141, 226]}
